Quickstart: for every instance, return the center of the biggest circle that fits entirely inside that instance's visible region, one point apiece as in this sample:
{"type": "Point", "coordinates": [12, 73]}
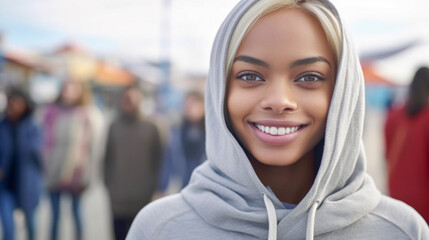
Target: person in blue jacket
{"type": "Point", "coordinates": [20, 163]}
{"type": "Point", "coordinates": [185, 149]}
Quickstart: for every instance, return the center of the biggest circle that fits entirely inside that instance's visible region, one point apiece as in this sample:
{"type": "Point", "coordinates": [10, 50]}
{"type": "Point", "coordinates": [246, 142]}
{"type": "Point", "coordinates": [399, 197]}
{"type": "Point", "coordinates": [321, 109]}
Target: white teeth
{"type": "Point", "coordinates": [275, 130]}
{"type": "Point", "coordinates": [267, 130]}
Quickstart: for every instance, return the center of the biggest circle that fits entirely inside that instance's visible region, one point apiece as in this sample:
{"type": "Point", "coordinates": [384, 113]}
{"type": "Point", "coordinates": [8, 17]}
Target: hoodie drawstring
{"type": "Point", "coordinates": [272, 218]}
{"type": "Point", "coordinates": [310, 221]}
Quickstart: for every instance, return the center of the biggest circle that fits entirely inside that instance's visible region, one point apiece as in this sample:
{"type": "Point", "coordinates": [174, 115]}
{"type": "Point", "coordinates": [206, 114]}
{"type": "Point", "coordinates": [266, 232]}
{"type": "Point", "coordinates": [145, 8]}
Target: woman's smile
{"type": "Point", "coordinates": [276, 132]}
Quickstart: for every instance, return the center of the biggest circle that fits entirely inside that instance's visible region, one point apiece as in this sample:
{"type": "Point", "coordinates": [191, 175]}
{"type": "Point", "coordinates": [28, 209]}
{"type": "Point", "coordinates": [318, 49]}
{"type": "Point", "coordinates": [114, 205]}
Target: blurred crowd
{"type": "Point", "coordinates": [55, 150]}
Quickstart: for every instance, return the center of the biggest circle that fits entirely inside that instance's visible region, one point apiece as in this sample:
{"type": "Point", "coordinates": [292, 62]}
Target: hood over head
{"type": "Point", "coordinates": [226, 192]}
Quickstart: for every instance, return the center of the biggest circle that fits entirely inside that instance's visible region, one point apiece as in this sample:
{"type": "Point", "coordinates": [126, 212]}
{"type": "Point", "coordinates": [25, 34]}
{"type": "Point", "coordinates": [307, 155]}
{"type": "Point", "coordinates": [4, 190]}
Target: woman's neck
{"type": "Point", "coordinates": [289, 183]}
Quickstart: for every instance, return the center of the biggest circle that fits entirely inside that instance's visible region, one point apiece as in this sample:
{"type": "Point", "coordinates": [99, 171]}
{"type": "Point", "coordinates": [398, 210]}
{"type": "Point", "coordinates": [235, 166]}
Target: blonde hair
{"type": "Point", "coordinates": [85, 97]}
{"type": "Point", "coordinates": [318, 8]}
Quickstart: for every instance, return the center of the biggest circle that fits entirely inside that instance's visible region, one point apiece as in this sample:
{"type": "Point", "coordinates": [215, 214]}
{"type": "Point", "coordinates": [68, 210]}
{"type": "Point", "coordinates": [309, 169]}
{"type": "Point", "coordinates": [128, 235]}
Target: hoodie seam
{"type": "Point", "coordinates": [391, 222]}
{"type": "Point", "coordinates": [164, 223]}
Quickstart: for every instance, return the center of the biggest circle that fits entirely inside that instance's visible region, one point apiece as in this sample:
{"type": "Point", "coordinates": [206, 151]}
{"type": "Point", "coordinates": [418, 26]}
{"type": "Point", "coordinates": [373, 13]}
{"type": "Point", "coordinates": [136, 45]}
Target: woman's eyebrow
{"type": "Point", "coordinates": [309, 60]}
{"type": "Point", "coordinates": [299, 62]}
{"type": "Point", "coordinates": [252, 60]}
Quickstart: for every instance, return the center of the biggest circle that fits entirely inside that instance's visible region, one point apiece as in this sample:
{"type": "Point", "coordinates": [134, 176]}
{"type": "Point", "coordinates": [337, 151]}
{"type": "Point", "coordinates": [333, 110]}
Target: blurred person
{"type": "Point", "coordinates": [20, 163]}
{"type": "Point", "coordinates": [67, 146]}
{"type": "Point", "coordinates": [132, 160]}
{"type": "Point", "coordinates": [186, 147]}
{"type": "Point", "coordinates": [285, 108]}
{"type": "Point", "coordinates": [407, 146]}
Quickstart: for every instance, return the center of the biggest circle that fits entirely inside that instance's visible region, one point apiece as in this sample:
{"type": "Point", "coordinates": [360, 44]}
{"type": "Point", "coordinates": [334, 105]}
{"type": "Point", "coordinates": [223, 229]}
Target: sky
{"type": "Point", "coordinates": [185, 30]}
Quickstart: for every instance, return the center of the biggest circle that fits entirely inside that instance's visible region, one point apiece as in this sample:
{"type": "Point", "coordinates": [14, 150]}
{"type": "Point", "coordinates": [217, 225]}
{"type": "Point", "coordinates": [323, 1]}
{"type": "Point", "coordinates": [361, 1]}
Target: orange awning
{"type": "Point", "coordinates": [112, 76]}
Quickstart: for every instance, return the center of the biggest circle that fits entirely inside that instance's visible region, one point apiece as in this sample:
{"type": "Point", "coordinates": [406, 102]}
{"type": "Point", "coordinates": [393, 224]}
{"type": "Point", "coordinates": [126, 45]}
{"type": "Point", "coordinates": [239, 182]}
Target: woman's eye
{"type": "Point", "coordinates": [250, 77]}
{"type": "Point", "coordinates": [310, 78]}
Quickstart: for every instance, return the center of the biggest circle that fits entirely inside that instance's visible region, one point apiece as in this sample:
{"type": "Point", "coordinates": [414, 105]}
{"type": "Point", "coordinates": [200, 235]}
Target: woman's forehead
{"type": "Point", "coordinates": [287, 32]}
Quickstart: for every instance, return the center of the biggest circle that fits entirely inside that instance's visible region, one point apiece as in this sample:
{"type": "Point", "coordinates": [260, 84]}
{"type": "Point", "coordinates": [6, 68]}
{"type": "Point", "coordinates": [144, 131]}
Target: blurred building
{"type": "Point", "coordinates": [43, 73]}
{"type": "Point", "coordinates": [19, 68]}
{"type": "Point", "coordinates": [382, 92]}
{"type": "Point", "coordinates": [379, 90]}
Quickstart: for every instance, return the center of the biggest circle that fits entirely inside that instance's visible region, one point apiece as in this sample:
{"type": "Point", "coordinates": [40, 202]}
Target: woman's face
{"type": "Point", "coordinates": [280, 87]}
{"type": "Point", "coordinates": [71, 93]}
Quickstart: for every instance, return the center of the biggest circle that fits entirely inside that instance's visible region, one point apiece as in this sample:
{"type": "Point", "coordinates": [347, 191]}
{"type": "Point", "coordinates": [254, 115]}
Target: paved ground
{"type": "Point", "coordinates": [95, 212]}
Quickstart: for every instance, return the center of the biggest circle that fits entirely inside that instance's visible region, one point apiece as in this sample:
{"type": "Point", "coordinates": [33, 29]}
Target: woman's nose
{"type": "Point", "coordinates": [279, 97]}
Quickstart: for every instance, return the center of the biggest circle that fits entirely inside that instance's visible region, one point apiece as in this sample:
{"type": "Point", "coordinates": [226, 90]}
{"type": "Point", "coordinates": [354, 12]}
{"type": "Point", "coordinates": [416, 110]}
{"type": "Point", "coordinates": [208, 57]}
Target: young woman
{"type": "Point", "coordinates": [20, 163]}
{"type": "Point", "coordinates": [67, 146]}
{"type": "Point", "coordinates": [407, 139]}
{"type": "Point", "coordinates": [285, 108]}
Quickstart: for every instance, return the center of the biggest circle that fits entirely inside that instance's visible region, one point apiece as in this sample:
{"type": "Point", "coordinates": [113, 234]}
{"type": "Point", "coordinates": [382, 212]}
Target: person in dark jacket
{"type": "Point", "coordinates": [132, 160]}
{"type": "Point", "coordinates": [20, 163]}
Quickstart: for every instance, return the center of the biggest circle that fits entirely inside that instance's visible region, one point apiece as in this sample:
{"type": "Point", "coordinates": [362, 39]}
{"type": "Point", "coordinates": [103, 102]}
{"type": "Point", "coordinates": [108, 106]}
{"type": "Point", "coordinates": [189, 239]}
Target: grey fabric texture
{"type": "Point", "coordinates": [224, 199]}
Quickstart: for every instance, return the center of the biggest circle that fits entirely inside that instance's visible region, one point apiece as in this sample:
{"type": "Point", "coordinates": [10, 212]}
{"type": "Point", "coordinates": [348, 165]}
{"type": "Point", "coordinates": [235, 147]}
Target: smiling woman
{"type": "Point", "coordinates": [281, 81]}
{"type": "Point", "coordinates": [284, 118]}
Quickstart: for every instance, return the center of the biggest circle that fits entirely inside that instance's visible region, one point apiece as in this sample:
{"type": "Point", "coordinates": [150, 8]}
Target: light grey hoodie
{"type": "Point", "coordinates": [226, 200]}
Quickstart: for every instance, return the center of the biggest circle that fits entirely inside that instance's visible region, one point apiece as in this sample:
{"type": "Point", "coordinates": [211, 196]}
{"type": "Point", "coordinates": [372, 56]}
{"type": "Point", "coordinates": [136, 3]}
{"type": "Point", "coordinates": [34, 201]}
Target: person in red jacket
{"type": "Point", "coordinates": [407, 146]}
